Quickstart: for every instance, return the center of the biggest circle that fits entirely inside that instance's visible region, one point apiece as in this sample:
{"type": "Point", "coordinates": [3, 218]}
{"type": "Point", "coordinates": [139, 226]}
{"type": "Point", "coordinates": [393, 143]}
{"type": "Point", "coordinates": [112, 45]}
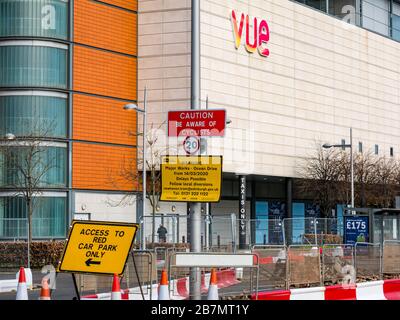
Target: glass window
{"type": "Point", "coordinates": [391, 152]}
{"type": "Point", "coordinates": [375, 15]}
{"type": "Point", "coordinates": [360, 147]}
{"type": "Point", "coordinates": [48, 166]}
{"type": "Point", "coordinates": [38, 18]}
{"type": "Point", "coordinates": [48, 221]}
{"type": "Point", "coordinates": [317, 4]}
{"type": "Point", "coordinates": [376, 149]}
{"type": "Point", "coordinates": [33, 66]}
{"type": "Point", "coordinates": [346, 10]}
{"type": "Point", "coordinates": [23, 115]}
{"type": "Point", "coordinates": [396, 21]}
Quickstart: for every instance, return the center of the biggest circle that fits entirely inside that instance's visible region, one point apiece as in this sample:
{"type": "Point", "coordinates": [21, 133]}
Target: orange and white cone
{"type": "Point", "coordinates": [213, 288]}
{"type": "Point", "coordinates": [45, 291]}
{"type": "Point", "coordinates": [22, 290]}
{"type": "Point", "coordinates": [163, 291]}
{"type": "Point", "coordinates": [116, 289]}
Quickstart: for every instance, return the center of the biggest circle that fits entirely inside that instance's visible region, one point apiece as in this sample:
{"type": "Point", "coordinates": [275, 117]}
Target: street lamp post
{"type": "Point", "coordinates": [132, 106]}
{"type": "Point", "coordinates": [328, 146]}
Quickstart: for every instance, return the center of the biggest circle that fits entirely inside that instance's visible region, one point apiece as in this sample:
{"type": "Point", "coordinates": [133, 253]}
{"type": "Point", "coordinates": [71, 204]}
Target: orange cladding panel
{"type": "Point", "coordinates": [126, 4]}
{"type": "Point", "coordinates": [104, 73]}
{"type": "Point", "coordinates": [102, 167]}
{"type": "Point", "coordinates": [105, 27]}
{"type": "Point", "coordinates": [103, 120]}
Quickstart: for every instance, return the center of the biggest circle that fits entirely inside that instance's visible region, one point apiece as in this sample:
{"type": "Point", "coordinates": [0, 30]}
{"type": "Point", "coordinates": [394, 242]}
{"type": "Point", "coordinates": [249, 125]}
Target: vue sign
{"type": "Point", "coordinates": [260, 36]}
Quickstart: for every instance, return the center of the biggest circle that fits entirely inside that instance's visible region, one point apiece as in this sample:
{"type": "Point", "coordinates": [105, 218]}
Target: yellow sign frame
{"type": "Point", "coordinates": [93, 266]}
{"type": "Point", "coordinates": [190, 160]}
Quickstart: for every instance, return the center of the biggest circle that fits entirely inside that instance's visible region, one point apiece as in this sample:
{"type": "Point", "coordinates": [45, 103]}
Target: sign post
{"type": "Point", "coordinates": [97, 247]}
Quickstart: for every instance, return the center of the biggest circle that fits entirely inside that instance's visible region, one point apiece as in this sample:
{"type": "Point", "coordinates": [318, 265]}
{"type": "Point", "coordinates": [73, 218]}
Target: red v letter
{"type": "Point", "coordinates": [237, 32]}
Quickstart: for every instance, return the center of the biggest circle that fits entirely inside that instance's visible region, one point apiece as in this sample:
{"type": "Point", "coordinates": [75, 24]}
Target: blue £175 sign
{"type": "Point", "coordinates": [356, 229]}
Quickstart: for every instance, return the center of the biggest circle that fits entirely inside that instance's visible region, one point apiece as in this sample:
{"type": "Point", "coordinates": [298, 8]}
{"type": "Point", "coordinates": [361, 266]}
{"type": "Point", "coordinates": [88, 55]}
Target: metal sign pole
{"type": "Point", "coordinates": [195, 208]}
{"type": "Point", "coordinates": [76, 286]}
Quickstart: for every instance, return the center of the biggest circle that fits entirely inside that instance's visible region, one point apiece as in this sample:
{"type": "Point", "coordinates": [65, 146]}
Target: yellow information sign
{"type": "Point", "coordinates": [97, 247]}
{"type": "Point", "coordinates": [191, 179]}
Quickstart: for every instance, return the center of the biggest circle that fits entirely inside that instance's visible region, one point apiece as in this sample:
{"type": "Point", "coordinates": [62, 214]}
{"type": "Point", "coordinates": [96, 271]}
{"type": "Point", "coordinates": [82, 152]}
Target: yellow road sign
{"type": "Point", "coordinates": [97, 247]}
{"type": "Point", "coordinates": [191, 179]}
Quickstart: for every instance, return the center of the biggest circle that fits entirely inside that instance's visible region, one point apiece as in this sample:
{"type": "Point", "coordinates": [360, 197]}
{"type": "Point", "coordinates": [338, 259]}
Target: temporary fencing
{"type": "Point", "coordinates": [316, 231]}
{"type": "Point", "coordinates": [272, 267]}
{"type": "Point", "coordinates": [391, 257]}
{"type": "Point", "coordinates": [368, 261]}
{"type": "Point", "coordinates": [236, 273]}
{"type": "Point", "coordinates": [272, 261]}
{"type": "Point", "coordinates": [140, 273]}
{"type": "Point", "coordinates": [375, 290]}
{"type": "Point", "coordinates": [338, 264]}
{"type": "Point", "coordinates": [304, 266]}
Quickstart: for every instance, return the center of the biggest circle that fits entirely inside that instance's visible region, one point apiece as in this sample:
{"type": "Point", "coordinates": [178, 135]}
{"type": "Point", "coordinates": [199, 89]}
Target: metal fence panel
{"type": "Point", "coordinates": [312, 231]}
{"type": "Point", "coordinates": [92, 283]}
{"type": "Point", "coordinates": [266, 232]}
{"type": "Point", "coordinates": [233, 282]}
{"type": "Point", "coordinates": [304, 265]}
{"type": "Point", "coordinates": [338, 264]}
{"type": "Point", "coordinates": [368, 261]}
{"type": "Point", "coordinates": [272, 262]}
{"type": "Point", "coordinates": [391, 257]}
{"type": "Point", "coordinates": [145, 275]}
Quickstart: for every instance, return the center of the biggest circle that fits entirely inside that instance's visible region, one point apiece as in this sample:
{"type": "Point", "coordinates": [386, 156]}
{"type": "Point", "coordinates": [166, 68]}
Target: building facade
{"type": "Point", "coordinates": [308, 72]}
{"type": "Point", "coordinates": [68, 67]}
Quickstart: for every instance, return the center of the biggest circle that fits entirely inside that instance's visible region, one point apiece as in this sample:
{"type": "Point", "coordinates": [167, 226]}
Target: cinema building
{"type": "Point", "coordinates": [289, 74]}
{"type": "Point", "coordinates": [307, 73]}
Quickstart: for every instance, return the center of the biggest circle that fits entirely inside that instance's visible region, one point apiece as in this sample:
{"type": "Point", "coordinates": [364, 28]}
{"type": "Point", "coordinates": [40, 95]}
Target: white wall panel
{"type": "Point", "coordinates": [322, 76]}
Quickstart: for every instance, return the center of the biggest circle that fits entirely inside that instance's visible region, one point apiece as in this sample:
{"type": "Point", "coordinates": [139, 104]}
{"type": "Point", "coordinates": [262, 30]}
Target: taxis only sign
{"type": "Point", "coordinates": [191, 179]}
{"type": "Point", "coordinates": [97, 247]}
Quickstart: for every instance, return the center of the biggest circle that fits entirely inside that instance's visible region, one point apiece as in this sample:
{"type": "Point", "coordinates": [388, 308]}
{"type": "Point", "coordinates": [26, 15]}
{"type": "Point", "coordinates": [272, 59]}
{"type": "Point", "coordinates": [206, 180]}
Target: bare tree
{"type": "Point", "coordinates": [25, 166]}
{"type": "Point", "coordinates": [321, 174]}
{"type": "Point", "coordinates": [326, 178]}
{"type": "Point", "coordinates": [129, 172]}
{"type": "Point", "coordinates": [364, 172]}
{"type": "Point", "coordinates": [384, 183]}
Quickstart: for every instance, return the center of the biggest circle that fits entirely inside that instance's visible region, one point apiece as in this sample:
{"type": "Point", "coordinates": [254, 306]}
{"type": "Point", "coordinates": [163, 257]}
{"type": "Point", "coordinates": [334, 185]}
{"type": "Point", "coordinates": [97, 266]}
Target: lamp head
{"type": "Point", "coordinates": [10, 136]}
{"type": "Point", "coordinates": [327, 146]}
{"type": "Point", "coordinates": [228, 121]}
{"type": "Point", "coordinates": [130, 106]}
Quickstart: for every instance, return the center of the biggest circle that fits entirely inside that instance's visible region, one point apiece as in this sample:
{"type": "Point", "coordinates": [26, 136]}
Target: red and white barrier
{"type": "Point", "coordinates": [179, 288]}
{"type": "Point", "coordinates": [375, 290]}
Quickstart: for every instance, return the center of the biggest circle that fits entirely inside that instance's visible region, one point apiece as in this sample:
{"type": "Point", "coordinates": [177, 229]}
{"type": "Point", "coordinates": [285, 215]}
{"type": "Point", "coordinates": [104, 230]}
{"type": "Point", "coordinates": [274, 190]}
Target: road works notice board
{"type": "Point", "coordinates": [191, 179]}
{"type": "Point", "coordinates": [97, 247]}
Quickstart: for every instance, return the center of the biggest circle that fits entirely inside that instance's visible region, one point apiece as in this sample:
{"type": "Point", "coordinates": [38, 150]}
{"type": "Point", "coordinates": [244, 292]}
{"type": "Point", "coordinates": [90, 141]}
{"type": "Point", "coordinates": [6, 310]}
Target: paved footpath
{"type": "Point", "coordinates": [64, 286]}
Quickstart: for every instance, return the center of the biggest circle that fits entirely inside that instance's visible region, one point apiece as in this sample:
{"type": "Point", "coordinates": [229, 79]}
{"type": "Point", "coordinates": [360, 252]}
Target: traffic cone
{"type": "Point", "coordinates": [163, 292]}
{"type": "Point", "coordinates": [213, 289]}
{"type": "Point", "coordinates": [22, 290]}
{"type": "Point", "coordinates": [45, 291]}
{"type": "Point", "coordinates": [116, 288]}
